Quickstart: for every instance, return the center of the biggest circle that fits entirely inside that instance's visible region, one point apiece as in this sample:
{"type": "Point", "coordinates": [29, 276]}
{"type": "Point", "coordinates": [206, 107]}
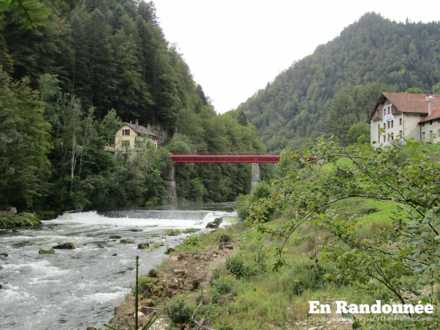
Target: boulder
{"type": "Point", "coordinates": [4, 255]}
{"type": "Point", "coordinates": [115, 237]}
{"type": "Point", "coordinates": [135, 230]}
{"type": "Point", "coordinates": [214, 224]}
{"type": "Point", "coordinates": [126, 241]}
{"type": "Point", "coordinates": [148, 303]}
{"type": "Point", "coordinates": [195, 284]}
{"type": "Point", "coordinates": [114, 254]}
{"type": "Point", "coordinates": [65, 246]}
{"type": "Point", "coordinates": [46, 251]}
{"type": "Point", "coordinates": [179, 272]}
{"type": "Point", "coordinates": [152, 273]}
{"type": "Point", "coordinates": [91, 328]}
{"type": "Point", "coordinates": [143, 246]}
{"type": "Point", "coordinates": [169, 250]}
{"type": "Point", "coordinates": [1, 286]}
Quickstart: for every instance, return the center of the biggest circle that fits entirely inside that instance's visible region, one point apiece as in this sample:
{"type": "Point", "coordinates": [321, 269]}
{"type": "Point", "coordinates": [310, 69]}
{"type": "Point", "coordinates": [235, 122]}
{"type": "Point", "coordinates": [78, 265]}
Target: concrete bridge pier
{"type": "Point", "coordinates": [171, 181]}
{"type": "Point", "coordinates": [255, 175]}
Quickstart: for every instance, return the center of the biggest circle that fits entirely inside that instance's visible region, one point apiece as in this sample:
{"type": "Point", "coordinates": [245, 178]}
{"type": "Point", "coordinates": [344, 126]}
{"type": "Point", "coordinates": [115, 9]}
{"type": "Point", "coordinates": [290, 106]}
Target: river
{"type": "Point", "coordinates": [73, 289]}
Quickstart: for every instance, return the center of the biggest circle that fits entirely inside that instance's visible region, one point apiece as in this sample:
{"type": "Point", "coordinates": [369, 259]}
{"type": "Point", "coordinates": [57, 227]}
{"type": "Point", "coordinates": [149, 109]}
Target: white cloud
{"type": "Point", "coordinates": [235, 47]}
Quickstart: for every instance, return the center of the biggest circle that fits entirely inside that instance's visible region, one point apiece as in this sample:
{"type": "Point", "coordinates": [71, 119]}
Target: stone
{"type": "Point", "coordinates": [135, 230]}
{"type": "Point", "coordinates": [4, 255]}
{"type": "Point", "coordinates": [126, 241]}
{"type": "Point", "coordinates": [114, 254]}
{"type": "Point", "coordinates": [1, 286]}
{"type": "Point", "coordinates": [179, 272]}
{"type": "Point", "coordinates": [152, 273]}
{"type": "Point", "coordinates": [143, 246]}
{"type": "Point", "coordinates": [195, 284]}
{"type": "Point", "coordinates": [91, 328]}
{"type": "Point", "coordinates": [214, 224]}
{"type": "Point", "coordinates": [65, 246]}
{"type": "Point", "coordinates": [46, 251]}
{"type": "Point", "coordinates": [169, 250]}
{"type": "Point", "coordinates": [148, 303]}
{"type": "Point", "coordinates": [180, 257]}
{"type": "Point", "coordinates": [115, 237]}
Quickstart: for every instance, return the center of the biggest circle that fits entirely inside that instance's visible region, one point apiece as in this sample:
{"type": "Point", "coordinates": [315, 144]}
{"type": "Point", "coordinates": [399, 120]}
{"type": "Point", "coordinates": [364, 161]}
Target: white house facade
{"type": "Point", "coordinates": [399, 116]}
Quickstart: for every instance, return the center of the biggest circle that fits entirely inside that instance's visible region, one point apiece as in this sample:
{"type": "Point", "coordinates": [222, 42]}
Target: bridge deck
{"type": "Point", "coordinates": [224, 159]}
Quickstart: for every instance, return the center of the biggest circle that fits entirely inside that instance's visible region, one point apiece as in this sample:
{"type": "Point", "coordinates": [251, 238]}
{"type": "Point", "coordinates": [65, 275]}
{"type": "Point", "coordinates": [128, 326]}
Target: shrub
{"type": "Point", "coordinates": [242, 206]}
{"type": "Point", "coordinates": [302, 276]}
{"type": "Point", "coordinates": [236, 266]}
{"type": "Point", "coordinates": [12, 221]}
{"type": "Point", "coordinates": [192, 241]}
{"type": "Point", "coordinates": [224, 238]}
{"type": "Point", "coordinates": [179, 312]}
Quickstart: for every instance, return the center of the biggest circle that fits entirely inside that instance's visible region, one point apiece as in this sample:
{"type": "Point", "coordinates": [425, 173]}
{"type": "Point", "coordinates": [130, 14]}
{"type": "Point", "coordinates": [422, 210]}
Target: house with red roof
{"type": "Point", "coordinates": [400, 116]}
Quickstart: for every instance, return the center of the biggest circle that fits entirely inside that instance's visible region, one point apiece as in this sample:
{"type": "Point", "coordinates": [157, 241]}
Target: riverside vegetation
{"type": "Point", "coordinates": [334, 223]}
{"type": "Point", "coordinates": [70, 72]}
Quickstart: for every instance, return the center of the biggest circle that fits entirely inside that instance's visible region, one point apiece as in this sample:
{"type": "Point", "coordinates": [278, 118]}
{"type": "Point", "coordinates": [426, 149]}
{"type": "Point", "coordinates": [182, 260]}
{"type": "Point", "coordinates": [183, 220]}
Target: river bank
{"type": "Point", "coordinates": [188, 271]}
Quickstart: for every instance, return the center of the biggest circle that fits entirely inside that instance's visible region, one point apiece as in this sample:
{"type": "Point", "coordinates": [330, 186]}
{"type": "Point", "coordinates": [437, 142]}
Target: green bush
{"type": "Point", "coordinates": [242, 206]}
{"type": "Point", "coordinates": [179, 312]}
{"type": "Point", "coordinates": [302, 276]}
{"type": "Point", "coordinates": [236, 266]}
{"type": "Point", "coordinates": [224, 238]}
{"type": "Point", "coordinates": [20, 220]}
{"type": "Point", "coordinates": [192, 241]}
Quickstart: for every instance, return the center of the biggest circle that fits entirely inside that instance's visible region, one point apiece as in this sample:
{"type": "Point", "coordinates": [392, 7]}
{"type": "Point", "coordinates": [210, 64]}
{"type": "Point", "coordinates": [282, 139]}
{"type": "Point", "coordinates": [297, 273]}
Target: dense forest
{"type": "Point", "coordinates": [335, 87]}
{"type": "Point", "coordinates": [70, 73]}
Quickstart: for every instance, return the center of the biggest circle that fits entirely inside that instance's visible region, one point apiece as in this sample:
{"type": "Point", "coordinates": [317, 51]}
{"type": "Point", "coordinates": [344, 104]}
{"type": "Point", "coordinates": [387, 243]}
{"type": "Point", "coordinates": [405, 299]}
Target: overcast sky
{"type": "Point", "coordinates": [235, 47]}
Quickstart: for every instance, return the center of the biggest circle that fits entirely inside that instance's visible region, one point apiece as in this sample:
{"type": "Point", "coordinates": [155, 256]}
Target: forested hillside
{"type": "Point", "coordinates": [70, 73]}
{"type": "Point", "coordinates": [335, 87]}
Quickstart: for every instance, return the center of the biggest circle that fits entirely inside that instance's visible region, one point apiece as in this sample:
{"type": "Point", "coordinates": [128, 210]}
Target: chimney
{"type": "Point", "coordinates": [428, 99]}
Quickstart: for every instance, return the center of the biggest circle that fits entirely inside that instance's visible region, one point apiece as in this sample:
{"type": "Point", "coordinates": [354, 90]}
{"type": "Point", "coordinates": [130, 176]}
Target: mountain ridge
{"type": "Point", "coordinates": [372, 54]}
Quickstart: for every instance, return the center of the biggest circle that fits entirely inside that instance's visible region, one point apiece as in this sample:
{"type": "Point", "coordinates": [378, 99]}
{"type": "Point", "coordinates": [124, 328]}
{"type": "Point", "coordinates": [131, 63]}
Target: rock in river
{"type": "Point", "coordinates": [214, 224]}
{"type": "Point", "coordinates": [143, 246]}
{"type": "Point", "coordinates": [46, 251]}
{"type": "Point", "coordinates": [65, 246]}
{"type": "Point", "coordinates": [126, 241]}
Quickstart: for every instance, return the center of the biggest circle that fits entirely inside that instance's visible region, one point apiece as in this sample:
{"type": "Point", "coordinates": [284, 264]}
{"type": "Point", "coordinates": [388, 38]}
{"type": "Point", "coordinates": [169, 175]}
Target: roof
{"type": "Point", "coordinates": [142, 130]}
{"type": "Point", "coordinates": [435, 115]}
{"type": "Point", "coordinates": [408, 102]}
{"type": "Point", "coordinates": [412, 102]}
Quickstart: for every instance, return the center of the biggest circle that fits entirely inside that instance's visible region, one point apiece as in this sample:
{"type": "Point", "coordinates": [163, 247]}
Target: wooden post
{"type": "Point", "coordinates": [136, 301]}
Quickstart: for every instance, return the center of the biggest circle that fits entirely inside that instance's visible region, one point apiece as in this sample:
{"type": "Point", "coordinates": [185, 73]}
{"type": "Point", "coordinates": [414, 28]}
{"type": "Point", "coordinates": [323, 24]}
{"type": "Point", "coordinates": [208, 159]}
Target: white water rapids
{"type": "Point", "coordinates": [73, 289]}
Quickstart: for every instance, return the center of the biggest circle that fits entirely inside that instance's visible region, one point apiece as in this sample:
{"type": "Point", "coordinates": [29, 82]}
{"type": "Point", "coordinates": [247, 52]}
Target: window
{"type": "Point", "coordinates": [126, 132]}
{"type": "Point", "coordinates": [400, 121]}
{"type": "Point", "coordinates": [400, 135]}
{"type": "Point", "coordinates": [392, 136]}
{"type": "Point", "coordinates": [384, 125]}
{"type": "Point", "coordinates": [392, 123]}
{"type": "Point", "coordinates": [423, 136]}
{"type": "Point", "coordinates": [125, 144]}
{"type": "Point", "coordinates": [431, 135]}
{"type": "Point", "coordinates": [388, 124]}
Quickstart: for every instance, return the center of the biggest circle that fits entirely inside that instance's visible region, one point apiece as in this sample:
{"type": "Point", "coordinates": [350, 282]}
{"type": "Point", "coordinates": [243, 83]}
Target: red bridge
{"type": "Point", "coordinates": [224, 159]}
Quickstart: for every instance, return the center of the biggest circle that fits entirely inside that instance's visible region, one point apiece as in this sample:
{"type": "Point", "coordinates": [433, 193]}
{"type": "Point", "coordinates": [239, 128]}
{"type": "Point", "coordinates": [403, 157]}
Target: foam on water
{"type": "Point", "coordinates": [176, 219]}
